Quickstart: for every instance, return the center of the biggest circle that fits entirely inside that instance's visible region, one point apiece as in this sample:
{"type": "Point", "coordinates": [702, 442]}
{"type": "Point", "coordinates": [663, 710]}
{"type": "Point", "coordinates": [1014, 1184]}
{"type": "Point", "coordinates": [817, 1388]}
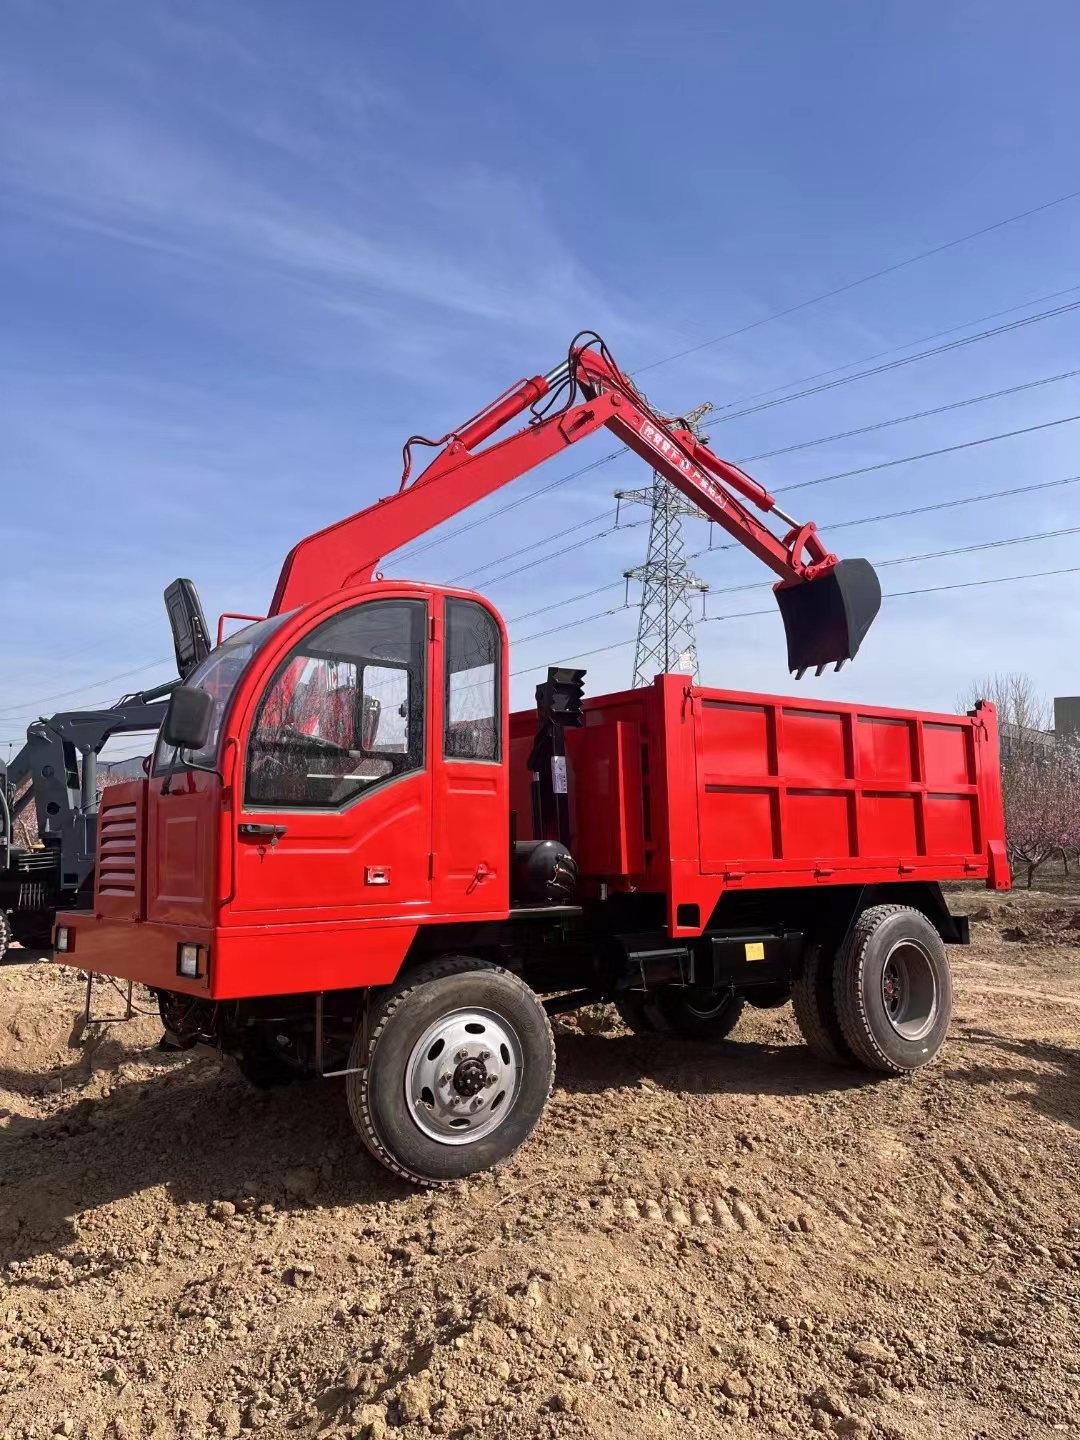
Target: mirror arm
{"type": "Point", "coordinates": [205, 769]}
{"type": "Point", "coordinates": [169, 772]}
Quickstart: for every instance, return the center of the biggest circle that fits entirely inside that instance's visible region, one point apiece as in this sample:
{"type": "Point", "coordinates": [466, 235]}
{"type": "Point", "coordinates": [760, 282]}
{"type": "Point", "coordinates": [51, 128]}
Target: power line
{"type": "Point", "coordinates": [916, 415]}
{"type": "Point", "coordinates": [932, 555]}
{"type": "Point", "coordinates": [895, 349]}
{"type": "Point", "coordinates": [920, 509]}
{"type": "Point", "coordinates": [928, 454]}
{"type": "Point", "coordinates": [862, 280]}
{"type": "Point", "coordinates": [565, 550]}
{"type": "Point", "coordinates": [769, 454]}
{"type": "Point", "coordinates": [880, 564]}
{"type": "Point", "coordinates": [567, 600]}
{"type": "Point", "coordinates": [412, 550]}
{"type": "Point", "coordinates": [525, 549]}
{"type": "Point", "coordinates": [31, 705]}
{"type": "Point", "coordinates": [829, 526]}
{"type": "Point", "coordinates": [749, 614]}
{"type": "Point", "coordinates": [581, 655]}
{"type": "Point", "coordinates": [905, 360]}
{"type": "Point", "coordinates": [911, 359]}
{"type": "Point", "coordinates": [783, 400]}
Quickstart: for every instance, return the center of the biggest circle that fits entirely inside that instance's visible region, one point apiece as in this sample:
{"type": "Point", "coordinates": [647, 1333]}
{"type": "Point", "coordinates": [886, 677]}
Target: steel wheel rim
{"type": "Point", "coordinates": [909, 990]}
{"type": "Point", "coordinates": [463, 1076]}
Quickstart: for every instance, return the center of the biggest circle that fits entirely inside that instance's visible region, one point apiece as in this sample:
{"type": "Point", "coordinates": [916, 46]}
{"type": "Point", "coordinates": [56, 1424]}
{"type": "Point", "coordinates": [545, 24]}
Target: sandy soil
{"type": "Point", "coordinates": [702, 1241]}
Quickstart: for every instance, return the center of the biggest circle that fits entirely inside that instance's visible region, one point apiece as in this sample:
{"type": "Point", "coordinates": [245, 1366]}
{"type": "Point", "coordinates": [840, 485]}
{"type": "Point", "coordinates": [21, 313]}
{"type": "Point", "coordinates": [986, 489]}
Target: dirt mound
{"type": "Point", "coordinates": [726, 1240]}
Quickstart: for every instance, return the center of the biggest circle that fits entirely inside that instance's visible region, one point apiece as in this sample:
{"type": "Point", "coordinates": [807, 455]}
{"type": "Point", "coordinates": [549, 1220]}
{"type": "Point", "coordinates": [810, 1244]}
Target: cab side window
{"type": "Point", "coordinates": [473, 683]}
{"type": "Point", "coordinates": [344, 712]}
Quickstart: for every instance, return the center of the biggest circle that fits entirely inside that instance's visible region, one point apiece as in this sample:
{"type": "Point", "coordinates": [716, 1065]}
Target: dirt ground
{"type": "Point", "coordinates": [728, 1240]}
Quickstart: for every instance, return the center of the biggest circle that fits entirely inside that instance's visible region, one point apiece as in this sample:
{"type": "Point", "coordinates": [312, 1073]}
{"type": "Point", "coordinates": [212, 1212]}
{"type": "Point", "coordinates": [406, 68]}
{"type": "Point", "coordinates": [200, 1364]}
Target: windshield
{"type": "Point", "coordinates": [218, 676]}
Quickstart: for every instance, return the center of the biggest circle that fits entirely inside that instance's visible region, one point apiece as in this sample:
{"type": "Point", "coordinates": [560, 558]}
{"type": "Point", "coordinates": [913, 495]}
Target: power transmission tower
{"type": "Point", "coordinates": [665, 636]}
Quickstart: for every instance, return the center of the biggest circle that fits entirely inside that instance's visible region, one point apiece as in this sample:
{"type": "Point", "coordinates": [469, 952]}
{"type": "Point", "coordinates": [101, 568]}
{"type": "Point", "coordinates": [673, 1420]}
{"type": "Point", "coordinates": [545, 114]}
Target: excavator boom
{"type": "Point", "coordinates": [827, 604]}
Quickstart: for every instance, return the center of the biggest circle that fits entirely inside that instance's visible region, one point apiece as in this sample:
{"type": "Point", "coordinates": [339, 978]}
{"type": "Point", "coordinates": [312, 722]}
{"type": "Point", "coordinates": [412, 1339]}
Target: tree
{"type": "Point", "coordinates": [1040, 773]}
{"type": "Point", "coordinates": [1022, 711]}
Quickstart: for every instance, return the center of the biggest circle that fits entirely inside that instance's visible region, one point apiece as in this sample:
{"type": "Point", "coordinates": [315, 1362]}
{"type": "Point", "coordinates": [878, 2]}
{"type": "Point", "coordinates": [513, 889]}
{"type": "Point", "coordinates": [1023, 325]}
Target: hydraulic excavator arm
{"type": "Point", "coordinates": [827, 604]}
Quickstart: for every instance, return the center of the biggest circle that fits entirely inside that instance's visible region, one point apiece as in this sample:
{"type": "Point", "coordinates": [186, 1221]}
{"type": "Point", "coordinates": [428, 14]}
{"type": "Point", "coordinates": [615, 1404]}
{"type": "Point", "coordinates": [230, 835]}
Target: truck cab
{"type": "Point", "coordinates": [353, 785]}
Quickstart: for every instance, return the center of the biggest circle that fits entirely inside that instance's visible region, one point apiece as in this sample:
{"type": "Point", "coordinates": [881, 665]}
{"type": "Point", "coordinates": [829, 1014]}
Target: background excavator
{"type": "Point", "coordinates": [55, 774]}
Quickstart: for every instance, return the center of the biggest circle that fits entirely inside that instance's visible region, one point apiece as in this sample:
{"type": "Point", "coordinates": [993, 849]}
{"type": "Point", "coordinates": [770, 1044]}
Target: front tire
{"type": "Point", "coordinates": [893, 989]}
{"type": "Point", "coordinates": [454, 1069]}
{"type": "Point", "coordinates": [680, 1010]}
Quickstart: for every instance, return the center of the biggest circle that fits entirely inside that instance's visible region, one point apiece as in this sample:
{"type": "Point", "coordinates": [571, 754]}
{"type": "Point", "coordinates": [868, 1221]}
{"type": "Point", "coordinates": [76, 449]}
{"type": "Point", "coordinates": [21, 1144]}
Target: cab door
{"type": "Point", "coordinates": [471, 860]}
{"type": "Point", "coordinates": [335, 814]}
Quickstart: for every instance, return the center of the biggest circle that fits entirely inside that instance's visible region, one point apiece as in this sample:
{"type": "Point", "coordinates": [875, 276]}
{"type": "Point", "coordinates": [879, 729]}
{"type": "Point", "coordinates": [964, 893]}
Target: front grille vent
{"type": "Point", "coordinates": [117, 851]}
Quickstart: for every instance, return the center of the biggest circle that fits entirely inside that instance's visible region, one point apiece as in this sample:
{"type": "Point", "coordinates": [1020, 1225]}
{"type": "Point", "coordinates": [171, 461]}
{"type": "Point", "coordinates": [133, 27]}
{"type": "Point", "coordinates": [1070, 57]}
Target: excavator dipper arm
{"type": "Point", "coordinates": [827, 604]}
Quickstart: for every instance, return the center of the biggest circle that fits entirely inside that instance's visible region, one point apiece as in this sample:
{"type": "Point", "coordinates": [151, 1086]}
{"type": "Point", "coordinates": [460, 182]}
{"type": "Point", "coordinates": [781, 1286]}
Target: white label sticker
{"type": "Point", "coordinates": [558, 774]}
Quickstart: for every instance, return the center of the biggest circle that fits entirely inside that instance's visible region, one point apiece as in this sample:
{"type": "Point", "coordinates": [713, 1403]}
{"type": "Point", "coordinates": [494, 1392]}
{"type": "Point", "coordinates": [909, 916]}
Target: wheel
{"type": "Point", "coordinates": [893, 989]}
{"type": "Point", "coordinates": [5, 935]}
{"type": "Point", "coordinates": [815, 1008]}
{"type": "Point", "coordinates": [453, 1071]}
{"type": "Point", "coordinates": [681, 1010]}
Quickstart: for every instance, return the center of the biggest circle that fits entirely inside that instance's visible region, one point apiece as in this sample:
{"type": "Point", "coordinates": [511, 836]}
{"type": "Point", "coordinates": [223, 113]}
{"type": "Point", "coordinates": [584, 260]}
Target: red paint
{"type": "Point", "coordinates": [780, 791]}
{"type": "Point", "coordinates": [677, 790]}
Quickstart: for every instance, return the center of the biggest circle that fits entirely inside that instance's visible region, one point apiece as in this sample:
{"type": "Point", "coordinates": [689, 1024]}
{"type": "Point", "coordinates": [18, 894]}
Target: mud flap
{"type": "Point", "coordinates": [827, 619]}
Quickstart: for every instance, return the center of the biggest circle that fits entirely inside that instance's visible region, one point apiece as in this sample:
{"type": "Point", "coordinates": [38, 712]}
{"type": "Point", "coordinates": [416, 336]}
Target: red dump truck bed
{"type": "Point", "coordinates": [693, 791]}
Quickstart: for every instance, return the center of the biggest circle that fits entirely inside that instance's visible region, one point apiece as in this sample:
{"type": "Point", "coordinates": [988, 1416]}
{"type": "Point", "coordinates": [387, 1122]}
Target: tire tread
{"type": "Point", "coordinates": [814, 1006]}
{"type": "Point", "coordinates": [849, 990]}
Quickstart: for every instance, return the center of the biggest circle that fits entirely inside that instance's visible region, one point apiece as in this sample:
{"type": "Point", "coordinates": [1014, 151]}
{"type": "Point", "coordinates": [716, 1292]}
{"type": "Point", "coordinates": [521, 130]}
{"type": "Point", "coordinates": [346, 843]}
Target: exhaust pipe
{"type": "Point", "coordinates": [826, 619]}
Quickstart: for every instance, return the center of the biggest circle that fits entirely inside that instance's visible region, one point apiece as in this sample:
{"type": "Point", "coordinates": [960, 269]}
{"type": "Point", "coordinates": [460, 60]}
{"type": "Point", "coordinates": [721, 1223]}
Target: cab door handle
{"type": "Point", "coordinates": [262, 832]}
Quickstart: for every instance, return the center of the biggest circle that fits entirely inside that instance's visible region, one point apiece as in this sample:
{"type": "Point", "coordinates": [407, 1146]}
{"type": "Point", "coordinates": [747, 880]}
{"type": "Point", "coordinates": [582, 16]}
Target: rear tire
{"type": "Point", "coordinates": [814, 1005]}
{"type": "Point", "coordinates": [454, 1069]}
{"type": "Point", "coordinates": [893, 989]}
{"type": "Point", "coordinates": [5, 935]}
{"type": "Point", "coordinates": [678, 1010]}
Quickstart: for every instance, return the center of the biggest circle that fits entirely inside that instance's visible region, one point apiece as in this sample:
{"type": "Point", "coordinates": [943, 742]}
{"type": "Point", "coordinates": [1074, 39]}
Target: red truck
{"type": "Point", "coordinates": [349, 858]}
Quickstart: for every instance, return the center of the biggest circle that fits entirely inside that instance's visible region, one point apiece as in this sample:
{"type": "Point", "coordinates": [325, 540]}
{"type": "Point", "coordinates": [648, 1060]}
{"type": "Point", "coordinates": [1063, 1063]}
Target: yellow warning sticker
{"type": "Point", "coordinates": [755, 950]}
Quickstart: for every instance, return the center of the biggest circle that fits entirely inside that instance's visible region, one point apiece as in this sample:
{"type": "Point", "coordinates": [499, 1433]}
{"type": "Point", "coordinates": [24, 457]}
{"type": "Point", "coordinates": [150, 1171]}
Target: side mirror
{"type": "Point", "coordinates": [187, 723]}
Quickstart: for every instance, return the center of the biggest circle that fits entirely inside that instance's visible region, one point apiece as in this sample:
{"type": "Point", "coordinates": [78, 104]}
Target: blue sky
{"type": "Point", "coordinates": [246, 249]}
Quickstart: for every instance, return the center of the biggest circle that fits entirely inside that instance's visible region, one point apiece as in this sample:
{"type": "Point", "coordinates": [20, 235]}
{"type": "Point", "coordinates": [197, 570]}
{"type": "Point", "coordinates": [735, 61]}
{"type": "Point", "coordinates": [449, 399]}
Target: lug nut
{"type": "Point", "coordinates": [445, 1079]}
{"type": "Point", "coordinates": [477, 1103]}
{"type": "Point", "coordinates": [490, 1080]}
{"type": "Point", "coordinates": [461, 1055]}
{"type": "Point", "coordinates": [485, 1054]}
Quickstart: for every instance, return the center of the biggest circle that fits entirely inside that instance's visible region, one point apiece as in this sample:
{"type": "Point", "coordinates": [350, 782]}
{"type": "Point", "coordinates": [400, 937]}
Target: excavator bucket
{"type": "Point", "coordinates": [827, 619]}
